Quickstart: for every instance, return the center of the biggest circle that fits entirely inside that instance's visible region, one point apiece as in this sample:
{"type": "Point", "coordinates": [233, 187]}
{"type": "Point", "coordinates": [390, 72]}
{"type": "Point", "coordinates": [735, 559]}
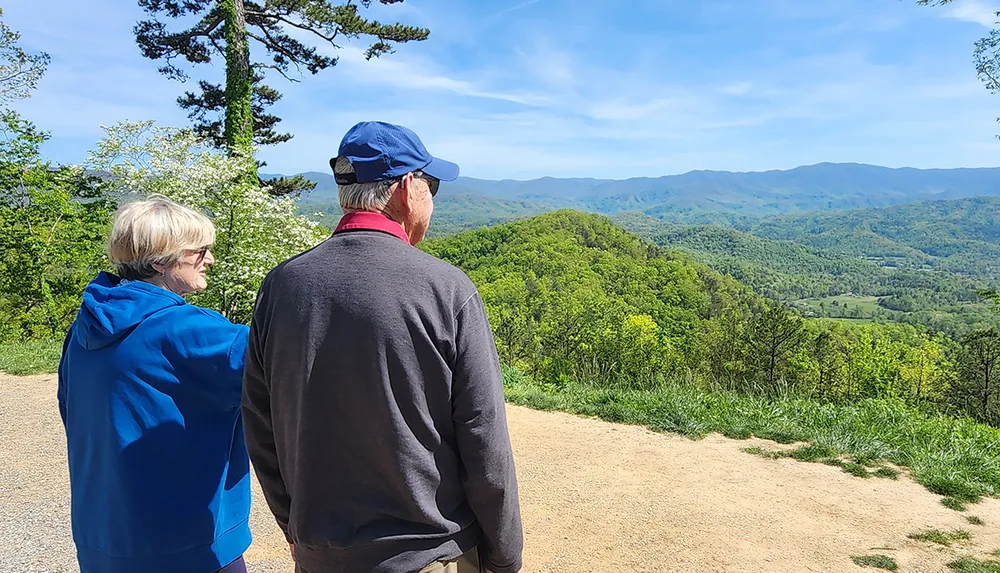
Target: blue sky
{"type": "Point", "coordinates": [528, 88]}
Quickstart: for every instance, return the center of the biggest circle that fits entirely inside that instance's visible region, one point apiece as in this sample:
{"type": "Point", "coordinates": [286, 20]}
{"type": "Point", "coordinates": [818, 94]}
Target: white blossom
{"type": "Point", "coordinates": [255, 230]}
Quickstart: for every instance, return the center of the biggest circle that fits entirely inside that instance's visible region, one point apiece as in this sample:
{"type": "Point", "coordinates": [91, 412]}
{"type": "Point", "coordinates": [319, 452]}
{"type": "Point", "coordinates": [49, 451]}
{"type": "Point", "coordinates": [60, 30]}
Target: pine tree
{"type": "Point", "coordinates": [226, 29]}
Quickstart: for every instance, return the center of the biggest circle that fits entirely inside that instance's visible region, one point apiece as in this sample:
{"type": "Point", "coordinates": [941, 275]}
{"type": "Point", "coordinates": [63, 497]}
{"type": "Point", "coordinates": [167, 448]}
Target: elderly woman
{"type": "Point", "coordinates": [149, 393]}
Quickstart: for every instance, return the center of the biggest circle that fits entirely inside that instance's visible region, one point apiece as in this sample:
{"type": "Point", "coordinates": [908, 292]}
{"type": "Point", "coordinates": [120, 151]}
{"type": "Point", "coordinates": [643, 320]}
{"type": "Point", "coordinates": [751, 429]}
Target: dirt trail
{"type": "Point", "coordinates": [595, 497]}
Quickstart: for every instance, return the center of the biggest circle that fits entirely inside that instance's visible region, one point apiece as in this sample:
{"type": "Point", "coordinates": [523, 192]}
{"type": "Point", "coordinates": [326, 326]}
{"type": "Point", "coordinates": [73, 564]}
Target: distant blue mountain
{"type": "Point", "coordinates": [705, 196]}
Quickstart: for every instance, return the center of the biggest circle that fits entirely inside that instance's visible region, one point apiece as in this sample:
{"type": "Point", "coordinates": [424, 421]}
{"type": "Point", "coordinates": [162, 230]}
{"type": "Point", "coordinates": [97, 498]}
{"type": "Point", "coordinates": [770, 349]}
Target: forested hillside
{"type": "Point", "coordinates": [453, 212]}
{"type": "Point", "coordinates": [961, 236]}
{"type": "Point", "coordinates": [831, 281]}
{"type": "Point", "coordinates": [573, 297]}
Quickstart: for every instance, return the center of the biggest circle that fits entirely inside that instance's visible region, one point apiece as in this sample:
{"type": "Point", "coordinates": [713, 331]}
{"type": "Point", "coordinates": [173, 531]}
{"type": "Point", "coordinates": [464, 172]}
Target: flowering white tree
{"type": "Point", "coordinates": [255, 230]}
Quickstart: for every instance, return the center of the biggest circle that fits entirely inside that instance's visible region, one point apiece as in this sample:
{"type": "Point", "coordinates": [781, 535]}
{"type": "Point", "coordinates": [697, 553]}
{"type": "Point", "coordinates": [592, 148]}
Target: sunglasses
{"type": "Point", "coordinates": [201, 252]}
{"type": "Point", "coordinates": [433, 182]}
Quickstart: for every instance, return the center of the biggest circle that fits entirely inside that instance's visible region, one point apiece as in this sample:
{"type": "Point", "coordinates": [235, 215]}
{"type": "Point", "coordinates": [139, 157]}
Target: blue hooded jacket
{"type": "Point", "coordinates": [149, 393]}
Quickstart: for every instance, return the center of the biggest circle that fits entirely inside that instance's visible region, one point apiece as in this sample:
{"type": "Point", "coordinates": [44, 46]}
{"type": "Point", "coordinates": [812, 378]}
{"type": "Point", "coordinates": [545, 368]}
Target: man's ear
{"type": "Point", "coordinates": [405, 194]}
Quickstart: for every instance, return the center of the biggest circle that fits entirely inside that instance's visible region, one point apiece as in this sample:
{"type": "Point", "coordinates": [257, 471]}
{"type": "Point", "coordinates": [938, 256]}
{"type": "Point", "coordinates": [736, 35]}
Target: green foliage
{"type": "Point", "coordinates": [975, 520]}
{"type": "Point", "coordinates": [877, 561]}
{"type": "Point", "coordinates": [255, 230]}
{"type": "Point", "coordinates": [571, 296]}
{"type": "Point", "coordinates": [31, 357]}
{"type": "Point", "coordinates": [814, 259]}
{"type": "Point", "coordinates": [973, 565]}
{"type": "Point", "coordinates": [953, 503]}
{"type": "Point", "coordinates": [54, 222]}
{"type": "Point", "coordinates": [224, 29]}
{"type": "Point", "coordinates": [941, 537]}
{"type": "Point", "coordinates": [957, 456]}
{"type": "Point", "coordinates": [20, 70]}
{"type": "Point", "coordinates": [956, 236]}
{"type": "Point", "coordinates": [977, 389]}
{"type": "Point", "coordinates": [453, 212]}
{"type": "Point", "coordinates": [239, 80]}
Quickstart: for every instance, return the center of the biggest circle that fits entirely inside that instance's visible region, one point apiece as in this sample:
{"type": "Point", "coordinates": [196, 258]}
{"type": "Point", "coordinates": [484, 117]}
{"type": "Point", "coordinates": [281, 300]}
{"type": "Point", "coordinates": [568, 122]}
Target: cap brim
{"type": "Point", "coordinates": [441, 169]}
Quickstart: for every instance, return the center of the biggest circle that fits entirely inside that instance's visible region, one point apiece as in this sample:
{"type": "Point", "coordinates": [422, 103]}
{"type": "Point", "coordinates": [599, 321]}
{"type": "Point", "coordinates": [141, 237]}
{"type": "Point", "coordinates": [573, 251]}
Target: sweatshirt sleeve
{"type": "Point", "coordinates": [483, 442]}
{"type": "Point", "coordinates": [213, 351]}
{"type": "Point", "coordinates": [61, 392]}
{"type": "Point", "coordinates": [259, 430]}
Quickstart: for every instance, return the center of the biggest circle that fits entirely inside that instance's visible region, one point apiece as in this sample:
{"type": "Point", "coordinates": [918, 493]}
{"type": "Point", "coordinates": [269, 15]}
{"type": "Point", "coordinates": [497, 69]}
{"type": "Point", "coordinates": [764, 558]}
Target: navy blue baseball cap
{"type": "Point", "coordinates": [380, 151]}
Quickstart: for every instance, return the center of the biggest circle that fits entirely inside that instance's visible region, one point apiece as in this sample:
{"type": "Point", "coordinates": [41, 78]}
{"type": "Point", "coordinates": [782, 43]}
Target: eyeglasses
{"type": "Point", "coordinates": [433, 182]}
{"type": "Point", "coordinates": [201, 252]}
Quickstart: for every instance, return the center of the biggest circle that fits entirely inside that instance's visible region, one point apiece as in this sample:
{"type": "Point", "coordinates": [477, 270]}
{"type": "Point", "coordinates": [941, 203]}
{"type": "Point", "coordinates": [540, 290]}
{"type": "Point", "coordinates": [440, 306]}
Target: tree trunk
{"type": "Point", "coordinates": [239, 83]}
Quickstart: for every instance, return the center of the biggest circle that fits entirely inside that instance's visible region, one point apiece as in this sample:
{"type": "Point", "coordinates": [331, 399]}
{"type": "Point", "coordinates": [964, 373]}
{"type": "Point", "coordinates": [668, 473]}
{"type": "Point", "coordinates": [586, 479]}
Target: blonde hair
{"type": "Point", "coordinates": [373, 196]}
{"type": "Point", "coordinates": [155, 232]}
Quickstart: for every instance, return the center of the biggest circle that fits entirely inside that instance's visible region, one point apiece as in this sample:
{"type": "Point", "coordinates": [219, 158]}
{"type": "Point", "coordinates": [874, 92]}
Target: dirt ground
{"type": "Point", "coordinates": [595, 497]}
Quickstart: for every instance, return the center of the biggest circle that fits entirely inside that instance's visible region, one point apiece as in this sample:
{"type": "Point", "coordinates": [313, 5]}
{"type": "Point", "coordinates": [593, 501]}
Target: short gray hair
{"type": "Point", "coordinates": [372, 196]}
{"type": "Point", "coordinates": [155, 231]}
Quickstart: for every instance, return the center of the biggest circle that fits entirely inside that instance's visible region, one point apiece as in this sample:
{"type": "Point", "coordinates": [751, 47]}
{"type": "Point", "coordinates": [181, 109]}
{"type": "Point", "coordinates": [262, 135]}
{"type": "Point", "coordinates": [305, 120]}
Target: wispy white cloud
{"type": "Point", "coordinates": [516, 7]}
{"type": "Point", "coordinates": [976, 11]}
{"type": "Point", "coordinates": [707, 85]}
{"type": "Point", "coordinates": [741, 88]}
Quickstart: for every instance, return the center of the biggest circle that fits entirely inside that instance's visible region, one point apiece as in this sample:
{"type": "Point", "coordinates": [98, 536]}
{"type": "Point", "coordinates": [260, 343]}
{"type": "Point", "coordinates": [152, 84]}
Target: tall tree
{"type": "Point", "coordinates": [227, 28]}
{"type": "Point", "coordinates": [776, 334]}
{"type": "Point", "coordinates": [54, 222]}
{"type": "Point", "coordinates": [977, 392]}
{"type": "Point", "coordinates": [20, 70]}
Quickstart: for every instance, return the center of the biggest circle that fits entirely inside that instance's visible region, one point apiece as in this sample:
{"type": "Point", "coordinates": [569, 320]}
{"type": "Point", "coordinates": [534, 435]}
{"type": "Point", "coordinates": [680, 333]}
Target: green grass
{"type": "Point", "coordinates": [856, 469]}
{"type": "Point", "coordinates": [23, 358]}
{"type": "Point", "coordinates": [952, 457]}
{"type": "Point", "coordinates": [996, 553]}
{"type": "Point", "coordinates": [972, 565]}
{"type": "Point", "coordinates": [975, 520]}
{"type": "Point", "coordinates": [941, 537]}
{"type": "Point", "coordinates": [867, 304]}
{"type": "Point", "coordinates": [886, 472]}
{"type": "Point", "coordinates": [877, 561]}
{"type": "Point", "coordinates": [953, 503]}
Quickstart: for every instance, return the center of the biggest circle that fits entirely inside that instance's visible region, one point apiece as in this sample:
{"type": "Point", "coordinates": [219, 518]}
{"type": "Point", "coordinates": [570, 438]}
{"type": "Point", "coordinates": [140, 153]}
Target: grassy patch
{"type": "Point", "coordinates": [886, 472]}
{"type": "Point", "coordinates": [941, 537]}
{"type": "Point", "coordinates": [33, 357]}
{"type": "Point", "coordinates": [972, 565]}
{"type": "Point", "coordinates": [877, 561]}
{"type": "Point", "coordinates": [758, 451]}
{"type": "Point", "coordinates": [975, 520]}
{"type": "Point", "coordinates": [953, 503]}
{"type": "Point", "coordinates": [813, 453]}
{"type": "Point", "coordinates": [996, 553]}
{"type": "Point", "coordinates": [856, 469]}
{"type": "Point", "coordinates": [952, 457]}
{"type": "Point", "coordinates": [826, 455]}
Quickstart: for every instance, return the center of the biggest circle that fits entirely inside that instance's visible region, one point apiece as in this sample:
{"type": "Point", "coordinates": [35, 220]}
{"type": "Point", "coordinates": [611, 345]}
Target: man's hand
{"type": "Point", "coordinates": [291, 550]}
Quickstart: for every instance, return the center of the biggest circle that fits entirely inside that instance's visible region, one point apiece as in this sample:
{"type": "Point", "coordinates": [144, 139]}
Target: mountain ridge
{"type": "Point", "coordinates": [707, 196]}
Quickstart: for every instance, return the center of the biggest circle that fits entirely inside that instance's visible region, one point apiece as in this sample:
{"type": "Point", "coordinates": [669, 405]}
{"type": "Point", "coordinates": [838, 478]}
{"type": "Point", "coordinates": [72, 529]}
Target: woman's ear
{"type": "Point", "coordinates": [159, 268]}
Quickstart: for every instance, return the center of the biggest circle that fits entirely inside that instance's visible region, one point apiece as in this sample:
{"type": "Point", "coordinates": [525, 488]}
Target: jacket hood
{"type": "Point", "coordinates": [112, 307]}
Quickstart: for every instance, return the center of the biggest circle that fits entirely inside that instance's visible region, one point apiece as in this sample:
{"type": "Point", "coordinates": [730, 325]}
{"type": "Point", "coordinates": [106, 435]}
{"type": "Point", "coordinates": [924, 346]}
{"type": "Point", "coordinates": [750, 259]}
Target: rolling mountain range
{"type": "Point", "coordinates": [715, 196]}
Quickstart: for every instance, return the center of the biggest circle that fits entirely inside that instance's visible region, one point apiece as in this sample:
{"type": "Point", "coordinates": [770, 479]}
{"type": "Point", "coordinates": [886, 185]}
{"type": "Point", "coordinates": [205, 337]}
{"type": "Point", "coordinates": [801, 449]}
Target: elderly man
{"type": "Point", "coordinates": [373, 402]}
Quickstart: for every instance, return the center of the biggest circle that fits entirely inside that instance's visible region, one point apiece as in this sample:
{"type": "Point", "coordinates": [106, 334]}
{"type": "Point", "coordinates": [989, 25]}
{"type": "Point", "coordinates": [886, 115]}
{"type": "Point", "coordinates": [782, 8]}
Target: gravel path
{"type": "Point", "coordinates": [595, 497]}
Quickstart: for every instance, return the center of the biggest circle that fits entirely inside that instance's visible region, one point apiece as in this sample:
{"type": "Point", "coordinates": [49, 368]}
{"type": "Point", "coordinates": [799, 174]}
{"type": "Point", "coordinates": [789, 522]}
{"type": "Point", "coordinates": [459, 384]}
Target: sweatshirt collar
{"type": "Point", "coordinates": [371, 221]}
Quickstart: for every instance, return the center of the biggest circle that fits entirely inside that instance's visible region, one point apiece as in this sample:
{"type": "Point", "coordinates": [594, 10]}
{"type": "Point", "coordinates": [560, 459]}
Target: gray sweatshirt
{"type": "Point", "coordinates": [374, 413]}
